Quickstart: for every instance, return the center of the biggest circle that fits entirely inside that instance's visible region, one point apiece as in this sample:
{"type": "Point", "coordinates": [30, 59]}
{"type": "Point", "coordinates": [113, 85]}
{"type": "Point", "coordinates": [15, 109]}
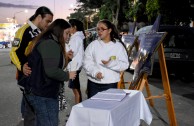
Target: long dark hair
{"type": "Point", "coordinates": [79, 26]}
{"type": "Point", "coordinates": [41, 11]}
{"type": "Point", "coordinates": [56, 28]}
{"type": "Point", "coordinates": [114, 35]}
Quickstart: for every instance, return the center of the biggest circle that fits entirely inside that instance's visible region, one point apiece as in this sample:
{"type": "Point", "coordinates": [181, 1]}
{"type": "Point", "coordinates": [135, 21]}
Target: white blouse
{"type": "Point", "coordinates": [98, 51]}
{"type": "Point", "coordinates": [76, 45]}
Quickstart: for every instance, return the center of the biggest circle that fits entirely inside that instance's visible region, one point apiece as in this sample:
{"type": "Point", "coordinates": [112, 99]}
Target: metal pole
{"type": "Point", "coordinates": [14, 15]}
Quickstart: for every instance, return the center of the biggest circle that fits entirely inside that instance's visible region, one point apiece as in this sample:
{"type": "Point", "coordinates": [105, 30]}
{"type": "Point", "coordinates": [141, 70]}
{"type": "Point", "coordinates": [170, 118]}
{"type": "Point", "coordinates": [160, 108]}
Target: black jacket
{"type": "Point", "coordinates": [46, 62]}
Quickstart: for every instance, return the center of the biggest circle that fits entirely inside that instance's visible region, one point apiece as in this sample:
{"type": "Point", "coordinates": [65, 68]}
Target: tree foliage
{"type": "Point", "coordinates": [152, 9]}
{"type": "Point", "coordinates": [175, 11]}
{"type": "Point", "coordinates": [108, 9]}
{"type": "Point", "coordinates": [134, 9]}
{"type": "Point", "coordinates": [93, 4]}
{"type": "Point", "coordinates": [119, 11]}
{"type": "Point", "coordinates": [105, 13]}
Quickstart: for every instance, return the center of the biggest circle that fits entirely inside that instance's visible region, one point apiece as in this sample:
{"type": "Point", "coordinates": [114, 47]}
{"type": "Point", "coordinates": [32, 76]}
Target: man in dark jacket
{"type": "Point", "coordinates": [18, 54]}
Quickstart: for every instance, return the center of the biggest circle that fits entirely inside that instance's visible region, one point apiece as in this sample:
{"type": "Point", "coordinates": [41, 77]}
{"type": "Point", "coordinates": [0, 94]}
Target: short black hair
{"type": "Point", "coordinates": [79, 25]}
{"type": "Point", "coordinates": [42, 11]}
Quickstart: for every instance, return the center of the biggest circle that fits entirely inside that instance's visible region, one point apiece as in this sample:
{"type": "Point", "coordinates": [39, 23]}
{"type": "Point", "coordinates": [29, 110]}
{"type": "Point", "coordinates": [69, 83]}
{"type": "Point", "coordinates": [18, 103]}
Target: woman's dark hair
{"type": "Point", "coordinates": [80, 27]}
{"type": "Point", "coordinates": [114, 33]}
{"type": "Point", "coordinates": [41, 11]}
{"type": "Point", "coordinates": [56, 28]}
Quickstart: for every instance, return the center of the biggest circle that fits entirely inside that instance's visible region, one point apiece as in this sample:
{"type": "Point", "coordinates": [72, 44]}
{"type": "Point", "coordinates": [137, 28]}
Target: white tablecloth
{"type": "Point", "coordinates": [127, 112]}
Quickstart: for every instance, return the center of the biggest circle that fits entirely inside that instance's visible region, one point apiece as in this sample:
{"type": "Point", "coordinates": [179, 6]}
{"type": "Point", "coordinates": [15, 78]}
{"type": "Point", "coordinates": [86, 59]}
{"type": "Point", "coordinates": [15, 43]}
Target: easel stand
{"type": "Point", "coordinates": [143, 82]}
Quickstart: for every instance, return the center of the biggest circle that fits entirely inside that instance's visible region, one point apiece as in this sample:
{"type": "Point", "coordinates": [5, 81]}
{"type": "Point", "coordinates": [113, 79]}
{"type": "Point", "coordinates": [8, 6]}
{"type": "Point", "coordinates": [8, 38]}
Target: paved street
{"type": "Point", "coordinates": [10, 97]}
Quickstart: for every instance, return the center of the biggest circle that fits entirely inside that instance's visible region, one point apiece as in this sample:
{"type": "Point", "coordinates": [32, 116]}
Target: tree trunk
{"type": "Point", "coordinates": [116, 14]}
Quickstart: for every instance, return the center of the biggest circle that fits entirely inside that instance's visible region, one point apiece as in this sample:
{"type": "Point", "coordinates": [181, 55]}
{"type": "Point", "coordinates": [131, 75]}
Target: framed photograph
{"type": "Point", "coordinates": [149, 44]}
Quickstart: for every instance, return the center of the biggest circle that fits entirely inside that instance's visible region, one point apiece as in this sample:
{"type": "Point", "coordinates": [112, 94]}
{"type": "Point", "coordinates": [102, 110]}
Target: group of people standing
{"type": "Point", "coordinates": [48, 53]}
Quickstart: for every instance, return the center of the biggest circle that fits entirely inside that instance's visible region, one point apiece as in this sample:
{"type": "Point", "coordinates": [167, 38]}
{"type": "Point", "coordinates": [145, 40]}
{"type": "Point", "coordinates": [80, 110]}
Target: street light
{"type": "Point", "coordinates": [14, 16]}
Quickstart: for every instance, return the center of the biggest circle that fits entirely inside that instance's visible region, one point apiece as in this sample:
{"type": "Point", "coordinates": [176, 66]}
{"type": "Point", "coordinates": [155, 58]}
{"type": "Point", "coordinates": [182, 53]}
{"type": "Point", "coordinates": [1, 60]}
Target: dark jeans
{"type": "Point", "coordinates": [22, 107]}
{"type": "Point", "coordinates": [94, 88]}
{"type": "Point", "coordinates": [46, 110]}
{"type": "Point", "coordinates": [29, 116]}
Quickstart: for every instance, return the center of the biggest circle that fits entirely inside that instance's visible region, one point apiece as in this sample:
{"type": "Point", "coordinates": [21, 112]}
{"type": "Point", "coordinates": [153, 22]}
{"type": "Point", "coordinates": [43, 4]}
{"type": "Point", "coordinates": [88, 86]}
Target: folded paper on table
{"type": "Point", "coordinates": [110, 94]}
{"type": "Point", "coordinates": [115, 91]}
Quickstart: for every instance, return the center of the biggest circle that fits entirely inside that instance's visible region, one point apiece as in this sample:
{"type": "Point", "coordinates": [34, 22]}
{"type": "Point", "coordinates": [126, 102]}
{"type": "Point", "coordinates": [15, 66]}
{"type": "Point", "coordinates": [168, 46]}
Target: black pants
{"type": "Point", "coordinates": [75, 84]}
{"type": "Point", "coordinates": [93, 88]}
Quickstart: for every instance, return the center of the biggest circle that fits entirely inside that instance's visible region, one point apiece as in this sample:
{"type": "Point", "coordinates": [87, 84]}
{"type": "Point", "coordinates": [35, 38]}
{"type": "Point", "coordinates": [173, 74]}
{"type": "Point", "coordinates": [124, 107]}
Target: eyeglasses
{"type": "Point", "coordinates": [101, 29]}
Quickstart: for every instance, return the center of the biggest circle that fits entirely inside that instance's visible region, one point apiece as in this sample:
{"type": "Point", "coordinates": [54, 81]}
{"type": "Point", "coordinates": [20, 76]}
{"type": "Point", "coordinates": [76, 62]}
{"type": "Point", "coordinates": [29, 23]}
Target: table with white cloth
{"type": "Point", "coordinates": [96, 112]}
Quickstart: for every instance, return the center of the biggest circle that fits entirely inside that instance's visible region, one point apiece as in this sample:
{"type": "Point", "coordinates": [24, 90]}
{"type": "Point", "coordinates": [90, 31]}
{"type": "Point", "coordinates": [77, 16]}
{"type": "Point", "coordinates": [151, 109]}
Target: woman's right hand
{"type": "Point", "coordinates": [70, 54]}
{"type": "Point", "coordinates": [72, 75]}
{"type": "Point", "coordinates": [26, 69]}
{"type": "Point", "coordinates": [99, 75]}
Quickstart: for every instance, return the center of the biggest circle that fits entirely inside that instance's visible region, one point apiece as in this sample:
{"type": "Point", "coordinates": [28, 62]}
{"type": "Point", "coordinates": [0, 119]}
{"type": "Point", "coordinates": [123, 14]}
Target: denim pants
{"type": "Point", "coordinates": [29, 116]}
{"type": "Point", "coordinates": [46, 110]}
{"type": "Point", "coordinates": [22, 107]}
{"type": "Point", "coordinates": [93, 88]}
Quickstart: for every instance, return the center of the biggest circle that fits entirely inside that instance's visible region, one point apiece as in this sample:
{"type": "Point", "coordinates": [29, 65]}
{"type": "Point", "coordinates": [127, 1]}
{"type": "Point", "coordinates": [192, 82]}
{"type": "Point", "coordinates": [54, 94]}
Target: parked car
{"type": "Point", "coordinates": [5, 44]}
{"type": "Point", "coordinates": [178, 49]}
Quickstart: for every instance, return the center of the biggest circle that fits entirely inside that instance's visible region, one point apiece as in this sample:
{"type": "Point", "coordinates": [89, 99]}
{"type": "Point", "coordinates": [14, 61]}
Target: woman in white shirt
{"type": "Point", "coordinates": [76, 44]}
{"type": "Point", "coordinates": [104, 59]}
